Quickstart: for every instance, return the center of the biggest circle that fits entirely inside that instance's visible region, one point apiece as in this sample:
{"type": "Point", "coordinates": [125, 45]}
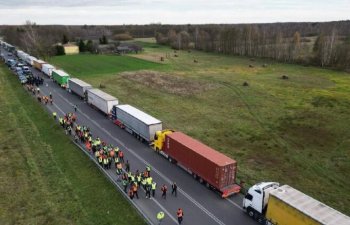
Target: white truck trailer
{"type": "Point", "coordinates": [30, 60]}
{"type": "Point", "coordinates": [47, 69]}
{"type": "Point", "coordinates": [136, 122]}
{"type": "Point", "coordinates": [78, 87]}
{"type": "Point", "coordinates": [272, 204]}
{"type": "Point", "coordinates": [101, 100]}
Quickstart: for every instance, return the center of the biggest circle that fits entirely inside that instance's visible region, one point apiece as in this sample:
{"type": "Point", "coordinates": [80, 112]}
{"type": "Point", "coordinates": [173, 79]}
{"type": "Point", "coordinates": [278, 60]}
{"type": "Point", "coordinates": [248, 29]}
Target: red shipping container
{"type": "Point", "coordinates": [212, 166]}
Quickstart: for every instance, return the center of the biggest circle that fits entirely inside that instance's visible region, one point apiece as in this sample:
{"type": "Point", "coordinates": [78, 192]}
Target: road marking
{"type": "Point", "coordinates": [234, 203]}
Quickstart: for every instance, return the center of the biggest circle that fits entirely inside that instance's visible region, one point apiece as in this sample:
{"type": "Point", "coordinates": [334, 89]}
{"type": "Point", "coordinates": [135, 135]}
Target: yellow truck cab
{"type": "Point", "coordinates": [159, 139]}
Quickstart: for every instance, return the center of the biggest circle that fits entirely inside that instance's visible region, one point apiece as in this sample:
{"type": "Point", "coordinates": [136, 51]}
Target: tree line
{"type": "Point", "coordinates": [328, 48]}
{"type": "Point", "coordinates": [325, 44]}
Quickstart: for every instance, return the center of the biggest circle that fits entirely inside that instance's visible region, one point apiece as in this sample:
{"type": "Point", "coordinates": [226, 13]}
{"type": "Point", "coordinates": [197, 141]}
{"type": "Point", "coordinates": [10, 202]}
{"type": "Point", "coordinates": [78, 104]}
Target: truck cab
{"type": "Point", "coordinates": [159, 139]}
{"type": "Point", "coordinates": [256, 199]}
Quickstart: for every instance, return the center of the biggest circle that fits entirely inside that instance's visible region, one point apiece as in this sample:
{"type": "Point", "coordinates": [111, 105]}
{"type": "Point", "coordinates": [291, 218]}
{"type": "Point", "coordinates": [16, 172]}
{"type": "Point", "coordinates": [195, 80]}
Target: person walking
{"type": "Point", "coordinates": [50, 95]}
{"type": "Point", "coordinates": [180, 215]}
{"type": "Point", "coordinates": [164, 189]}
{"type": "Point", "coordinates": [75, 108]}
{"type": "Point", "coordinates": [154, 186]}
{"type": "Point", "coordinates": [135, 188]}
{"type": "Point", "coordinates": [121, 156]}
{"type": "Point", "coordinates": [125, 185]}
{"type": "Point", "coordinates": [148, 191]}
{"type": "Point", "coordinates": [54, 114]}
{"type": "Point", "coordinates": [160, 217]}
{"type": "Point", "coordinates": [127, 166]}
{"type": "Point", "coordinates": [131, 193]}
{"type": "Point", "coordinates": [174, 189]}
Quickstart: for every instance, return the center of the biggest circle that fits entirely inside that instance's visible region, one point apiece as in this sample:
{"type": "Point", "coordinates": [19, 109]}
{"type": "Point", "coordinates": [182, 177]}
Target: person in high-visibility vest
{"type": "Point", "coordinates": [125, 184]}
{"type": "Point", "coordinates": [154, 187]}
{"type": "Point", "coordinates": [144, 183]}
{"type": "Point", "coordinates": [100, 160]}
{"type": "Point", "coordinates": [148, 169]}
{"type": "Point", "coordinates": [105, 162]}
{"type": "Point", "coordinates": [180, 215]}
{"type": "Point", "coordinates": [160, 217]}
{"type": "Point", "coordinates": [138, 179]}
{"type": "Point", "coordinates": [97, 154]}
{"type": "Point", "coordinates": [54, 114]}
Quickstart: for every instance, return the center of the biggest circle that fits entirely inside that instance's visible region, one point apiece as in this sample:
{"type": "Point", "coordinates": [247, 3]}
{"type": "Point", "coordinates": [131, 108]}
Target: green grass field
{"type": "Point", "coordinates": [101, 65]}
{"type": "Point", "coordinates": [293, 131]}
{"type": "Point", "coordinates": [45, 179]}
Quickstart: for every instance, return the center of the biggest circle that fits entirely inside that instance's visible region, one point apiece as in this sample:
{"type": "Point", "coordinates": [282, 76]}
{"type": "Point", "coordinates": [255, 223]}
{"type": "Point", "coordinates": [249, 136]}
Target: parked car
{"type": "Point", "coordinates": [26, 70]}
{"type": "Point", "coordinates": [19, 64]}
{"type": "Point", "coordinates": [10, 62]}
{"type": "Point", "coordinates": [24, 80]}
{"type": "Point", "coordinates": [18, 69]}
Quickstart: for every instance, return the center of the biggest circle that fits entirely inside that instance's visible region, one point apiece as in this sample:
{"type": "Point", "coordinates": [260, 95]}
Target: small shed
{"type": "Point", "coordinates": [70, 49]}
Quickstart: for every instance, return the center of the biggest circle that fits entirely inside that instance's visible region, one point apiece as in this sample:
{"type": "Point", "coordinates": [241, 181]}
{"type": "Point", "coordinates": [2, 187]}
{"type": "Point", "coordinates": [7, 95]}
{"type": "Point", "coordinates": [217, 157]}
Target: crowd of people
{"type": "Point", "coordinates": [108, 156]}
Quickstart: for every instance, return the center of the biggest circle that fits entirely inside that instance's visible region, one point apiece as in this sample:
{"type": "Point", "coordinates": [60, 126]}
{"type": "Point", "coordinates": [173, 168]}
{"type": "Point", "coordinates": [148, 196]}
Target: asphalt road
{"type": "Point", "coordinates": [201, 206]}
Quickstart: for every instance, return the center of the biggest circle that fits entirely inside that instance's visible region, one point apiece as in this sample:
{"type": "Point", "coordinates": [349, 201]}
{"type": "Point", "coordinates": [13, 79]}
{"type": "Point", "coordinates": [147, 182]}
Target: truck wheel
{"type": "Point", "coordinates": [251, 213]}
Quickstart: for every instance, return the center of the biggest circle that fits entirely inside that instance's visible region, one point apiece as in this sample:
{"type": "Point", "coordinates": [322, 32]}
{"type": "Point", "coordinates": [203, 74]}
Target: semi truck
{"type": "Point", "coordinates": [29, 60]}
{"type": "Point", "coordinates": [47, 69]}
{"type": "Point", "coordinates": [22, 55]}
{"type": "Point", "coordinates": [37, 63]}
{"type": "Point", "coordinates": [210, 167]}
{"type": "Point", "coordinates": [78, 87]}
{"type": "Point", "coordinates": [272, 204]}
{"type": "Point", "coordinates": [101, 100]}
{"type": "Point", "coordinates": [60, 77]}
{"type": "Point", "coordinates": [136, 122]}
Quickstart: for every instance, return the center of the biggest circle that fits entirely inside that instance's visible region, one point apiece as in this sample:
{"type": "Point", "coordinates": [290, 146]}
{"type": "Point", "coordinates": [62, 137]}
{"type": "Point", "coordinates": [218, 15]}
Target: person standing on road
{"type": "Point", "coordinates": [75, 108]}
{"type": "Point", "coordinates": [50, 95]}
{"type": "Point", "coordinates": [135, 188]}
{"type": "Point", "coordinates": [127, 166]}
{"type": "Point", "coordinates": [174, 189]}
{"type": "Point", "coordinates": [125, 183]}
{"type": "Point", "coordinates": [180, 215]}
{"type": "Point", "coordinates": [121, 156]}
{"type": "Point", "coordinates": [164, 189]}
{"type": "Point", "coordinates": [160, 217]}
{"type": "Point", "coordinates": [154, 186]}
{"type": "Point", "coordinates": [54, 114]}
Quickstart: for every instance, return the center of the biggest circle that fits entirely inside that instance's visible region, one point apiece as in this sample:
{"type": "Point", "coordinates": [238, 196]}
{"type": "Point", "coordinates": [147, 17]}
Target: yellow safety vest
{"type": "Point", "coordinates": [154, 185]}
{"type": "Point", "coordinates": [160, 216]}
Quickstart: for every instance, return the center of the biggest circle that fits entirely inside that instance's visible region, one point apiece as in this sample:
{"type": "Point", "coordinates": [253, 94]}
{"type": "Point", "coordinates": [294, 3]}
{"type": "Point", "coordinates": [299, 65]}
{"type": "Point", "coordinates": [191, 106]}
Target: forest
{"type": "Point", "coordinates": [324, 44]}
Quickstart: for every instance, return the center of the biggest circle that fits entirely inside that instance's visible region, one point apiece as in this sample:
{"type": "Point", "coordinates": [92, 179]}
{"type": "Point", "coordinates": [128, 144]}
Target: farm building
{"type": "Point", "coordinates": [70, 49]}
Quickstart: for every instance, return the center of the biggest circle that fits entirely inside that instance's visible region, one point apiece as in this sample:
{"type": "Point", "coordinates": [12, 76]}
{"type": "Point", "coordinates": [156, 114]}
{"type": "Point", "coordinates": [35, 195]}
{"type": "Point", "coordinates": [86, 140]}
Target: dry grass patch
{"type": "Point", "coordinates": [169, 83]}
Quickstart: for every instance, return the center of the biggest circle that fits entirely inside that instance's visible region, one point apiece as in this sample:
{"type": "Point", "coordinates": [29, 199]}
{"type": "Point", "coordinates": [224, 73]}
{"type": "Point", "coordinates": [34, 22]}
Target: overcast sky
{"type": "Point", "coordinates": [170, 11]}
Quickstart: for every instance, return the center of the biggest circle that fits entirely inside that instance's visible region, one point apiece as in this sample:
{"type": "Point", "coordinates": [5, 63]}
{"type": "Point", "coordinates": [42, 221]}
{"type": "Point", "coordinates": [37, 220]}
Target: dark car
{"type": "Point", "coordinates": [26, 70]}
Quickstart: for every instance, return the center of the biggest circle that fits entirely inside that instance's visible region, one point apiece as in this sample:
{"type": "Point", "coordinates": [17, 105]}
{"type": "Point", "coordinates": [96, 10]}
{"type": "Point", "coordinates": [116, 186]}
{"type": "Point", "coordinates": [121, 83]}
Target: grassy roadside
{"type": "Point", "coordinates": [45, 179]}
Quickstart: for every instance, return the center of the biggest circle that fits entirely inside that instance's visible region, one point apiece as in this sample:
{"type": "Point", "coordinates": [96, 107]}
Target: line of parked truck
{"type": "Point", "coordinates": [267, 202]}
